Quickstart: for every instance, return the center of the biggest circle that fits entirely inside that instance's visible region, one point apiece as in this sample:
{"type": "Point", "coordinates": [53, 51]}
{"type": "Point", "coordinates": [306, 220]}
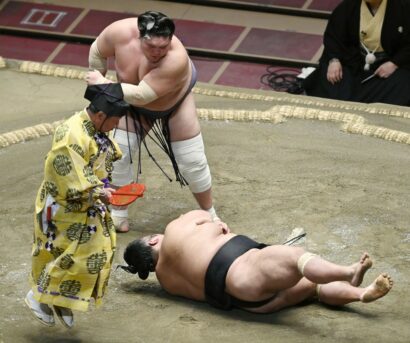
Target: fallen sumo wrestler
{"type": "Point", "coordinates": [200, 259]}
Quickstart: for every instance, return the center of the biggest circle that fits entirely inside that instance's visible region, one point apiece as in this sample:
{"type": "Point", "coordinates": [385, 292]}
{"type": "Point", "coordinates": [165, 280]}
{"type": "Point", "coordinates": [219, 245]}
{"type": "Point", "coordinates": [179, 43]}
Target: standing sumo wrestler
{"type": "Point", "coordinates": [156, 77]}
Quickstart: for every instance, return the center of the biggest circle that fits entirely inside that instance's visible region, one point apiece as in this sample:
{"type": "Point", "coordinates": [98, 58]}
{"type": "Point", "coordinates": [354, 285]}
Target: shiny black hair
{"type": "Point", "coordinates": [138, 256]}
{"type": "Point", "coordinates": [155, 24]}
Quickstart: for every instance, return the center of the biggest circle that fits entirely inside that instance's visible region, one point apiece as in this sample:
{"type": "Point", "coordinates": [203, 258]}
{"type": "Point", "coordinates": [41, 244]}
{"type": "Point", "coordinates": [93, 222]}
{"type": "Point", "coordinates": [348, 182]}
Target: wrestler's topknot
{"type": "Point", "coordinates": [155, 24]}
{"type": "Point", "coordinates": [138, 256]}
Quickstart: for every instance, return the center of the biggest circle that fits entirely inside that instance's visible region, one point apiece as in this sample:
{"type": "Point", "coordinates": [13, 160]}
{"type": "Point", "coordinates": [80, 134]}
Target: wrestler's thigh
{"type": "Point", "coordinates": [184, 123]}
{"type": "Point", "coordinates": [302, 291]}
{"type": "Point", "coordinates": [276, 266]}
{"type": "Point", "coordinates": [258, 274]}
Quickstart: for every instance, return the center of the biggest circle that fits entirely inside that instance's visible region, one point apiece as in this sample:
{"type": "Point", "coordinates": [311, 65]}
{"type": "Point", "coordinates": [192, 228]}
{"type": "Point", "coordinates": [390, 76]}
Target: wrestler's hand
{"type": "Point", "coordinates": [334, 72]}
{"type": "Point", "coordinates": [386, 69]}
{"type": "Point", "coordinates": [94, 77]}
{"type": "Point", "coordinates": [223, 226]}
{"type": "Point", "coordinates": [106, 195]}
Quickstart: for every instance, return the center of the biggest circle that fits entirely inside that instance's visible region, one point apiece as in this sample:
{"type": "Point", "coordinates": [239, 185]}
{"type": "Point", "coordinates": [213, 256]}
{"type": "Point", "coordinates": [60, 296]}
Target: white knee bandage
{"type": "Point", "coordinates": [123, 172]}
{"type": "Point", "coordinates": [191, 159]}
{"type": "Point", "coordinates": [305, 258]}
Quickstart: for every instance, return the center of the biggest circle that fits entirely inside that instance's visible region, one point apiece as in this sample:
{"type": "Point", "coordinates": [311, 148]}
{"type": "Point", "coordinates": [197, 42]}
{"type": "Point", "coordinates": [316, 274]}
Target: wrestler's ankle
{"type": "Point", "coordinates": [121, 224]}
{"type": "Point", "coordinates": [213, 214]}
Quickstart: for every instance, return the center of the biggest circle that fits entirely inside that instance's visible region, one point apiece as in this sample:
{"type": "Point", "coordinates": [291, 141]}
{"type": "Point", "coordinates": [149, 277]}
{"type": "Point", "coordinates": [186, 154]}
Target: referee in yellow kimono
{"type": "Point", "coordinates": [74, 237]}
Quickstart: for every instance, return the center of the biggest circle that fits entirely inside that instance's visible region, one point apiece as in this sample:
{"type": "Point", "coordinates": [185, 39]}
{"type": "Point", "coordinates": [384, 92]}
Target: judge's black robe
{"type": "Point", "coordinates": [342, 41]}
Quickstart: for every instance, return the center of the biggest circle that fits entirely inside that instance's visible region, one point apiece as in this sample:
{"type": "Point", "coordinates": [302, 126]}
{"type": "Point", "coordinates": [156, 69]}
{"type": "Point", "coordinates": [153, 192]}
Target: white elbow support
{"type": "Point", "coordinates": [95, 60]}
{"type": "Point", "coordinates": [192, 163]}
{"type": "Point", "coordinates": [123, 172]}
{"type": "Point", "coordinates": [138, 95]}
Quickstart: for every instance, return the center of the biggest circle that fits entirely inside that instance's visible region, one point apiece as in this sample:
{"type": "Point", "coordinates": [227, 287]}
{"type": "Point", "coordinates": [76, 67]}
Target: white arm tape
{"type": "Point", "coordinates": [138, 95]}
{"type": "Point", "coordinates": [95, 60]}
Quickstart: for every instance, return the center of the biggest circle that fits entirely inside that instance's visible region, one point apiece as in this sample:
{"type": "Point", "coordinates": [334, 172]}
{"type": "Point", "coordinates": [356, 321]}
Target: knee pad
{"type": "Point", "coordinates": [123, 172]}
{"type": "Point", "coordinates": [192, 163]}
{"type": "Point", "coordinates": [305, 258]}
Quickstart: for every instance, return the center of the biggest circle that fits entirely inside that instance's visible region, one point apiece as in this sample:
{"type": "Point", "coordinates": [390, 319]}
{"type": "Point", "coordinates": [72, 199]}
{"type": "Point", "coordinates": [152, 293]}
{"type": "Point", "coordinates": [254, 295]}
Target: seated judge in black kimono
{"type": "Point", "coordinates": [366, 55]}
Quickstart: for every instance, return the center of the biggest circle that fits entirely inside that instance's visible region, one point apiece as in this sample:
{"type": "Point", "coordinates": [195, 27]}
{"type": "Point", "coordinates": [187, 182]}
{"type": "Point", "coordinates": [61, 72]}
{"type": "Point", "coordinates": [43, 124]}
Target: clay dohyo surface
{"type": "Point", "coordinates": [348, 192]}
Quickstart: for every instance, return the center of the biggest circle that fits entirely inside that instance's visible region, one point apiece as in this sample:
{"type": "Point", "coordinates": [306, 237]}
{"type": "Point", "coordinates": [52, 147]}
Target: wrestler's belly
{"type": "Point", "coordinates": [197, 256]}
{"type": "Point", "coordinates": [185, 276]}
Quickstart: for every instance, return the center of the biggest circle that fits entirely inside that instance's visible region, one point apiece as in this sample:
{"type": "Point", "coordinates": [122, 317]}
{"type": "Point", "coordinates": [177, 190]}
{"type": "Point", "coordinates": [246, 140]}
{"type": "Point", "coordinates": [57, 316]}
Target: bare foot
{"type": "Point", "coordinates": [360, 268]}
{"type": "Point", "coordinates": [379, 288]}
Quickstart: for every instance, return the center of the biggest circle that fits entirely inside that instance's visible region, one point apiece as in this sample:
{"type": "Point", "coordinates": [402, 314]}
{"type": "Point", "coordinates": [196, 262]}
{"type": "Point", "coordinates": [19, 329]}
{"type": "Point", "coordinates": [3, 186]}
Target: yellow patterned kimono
{"type": "Point", "coordinates": [74, 237]}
